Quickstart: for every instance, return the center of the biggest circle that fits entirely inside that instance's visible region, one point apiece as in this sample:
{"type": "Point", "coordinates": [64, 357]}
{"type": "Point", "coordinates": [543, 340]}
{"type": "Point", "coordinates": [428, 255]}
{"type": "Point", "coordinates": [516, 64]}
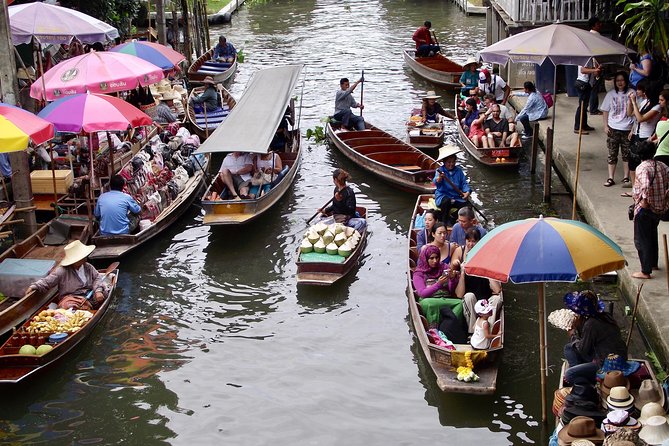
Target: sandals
{"type": "Point", "coordinates": [626, 183]}
{"type": "Point", "coordinates": [610, 182]}
{"type": "Point", "coordinates": [626, 194]}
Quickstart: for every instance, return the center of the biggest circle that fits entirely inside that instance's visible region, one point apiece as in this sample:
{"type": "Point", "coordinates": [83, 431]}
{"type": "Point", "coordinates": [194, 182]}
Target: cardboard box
{"type": "Point", "coordinates": [18, 274]}
{"type": "Point", "coordinates": [42, 181]}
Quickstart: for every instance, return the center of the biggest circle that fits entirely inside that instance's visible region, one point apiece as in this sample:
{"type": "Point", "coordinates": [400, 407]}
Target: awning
{"type": "Point", "coordinates": [252, 123]}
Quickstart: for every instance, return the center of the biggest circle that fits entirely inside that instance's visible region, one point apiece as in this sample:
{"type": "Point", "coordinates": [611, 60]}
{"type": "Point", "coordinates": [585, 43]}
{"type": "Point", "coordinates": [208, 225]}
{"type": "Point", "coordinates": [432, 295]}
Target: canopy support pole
{"type": "Point", "coordinates": [53, 178]}
{"type": "Point", "coordinates": [578, 158]}
{"type": "Point", "coordinates": [542, 348]}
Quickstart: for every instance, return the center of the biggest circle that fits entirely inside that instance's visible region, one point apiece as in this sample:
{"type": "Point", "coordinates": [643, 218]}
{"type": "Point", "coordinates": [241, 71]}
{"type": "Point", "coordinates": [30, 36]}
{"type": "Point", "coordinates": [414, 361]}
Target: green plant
{"type": "Point", "coordinates": [645, 24]}
{"type": "Point", "coordinates": [317, 133]}
{"type": "Point", "coordinates": [240, 56]}
{"type": "Point", "coordinates": [657, 365]}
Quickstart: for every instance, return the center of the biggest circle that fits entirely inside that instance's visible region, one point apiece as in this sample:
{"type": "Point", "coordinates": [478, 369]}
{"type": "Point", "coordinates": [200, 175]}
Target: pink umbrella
{"type": "Point", "coordinates": [93, 113]}
{"type": "Point", "coordinates": [95, 72]}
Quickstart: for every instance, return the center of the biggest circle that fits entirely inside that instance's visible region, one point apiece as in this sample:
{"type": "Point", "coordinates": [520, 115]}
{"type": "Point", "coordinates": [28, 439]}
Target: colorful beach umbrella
{"type": "Point", "coordinates": [18, 127]}
{"type": "Point", "coordinates": [96, 72]}
{"type": "Point", "coordinates": [159, 55]}
{"type": "Point", "coordinates": [93, 113]}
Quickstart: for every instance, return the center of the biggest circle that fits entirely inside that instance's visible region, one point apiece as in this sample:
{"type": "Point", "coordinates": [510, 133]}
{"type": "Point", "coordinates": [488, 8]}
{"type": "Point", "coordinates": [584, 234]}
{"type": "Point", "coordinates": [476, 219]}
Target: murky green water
{"type": "Point", "coordinates": [210, 341]}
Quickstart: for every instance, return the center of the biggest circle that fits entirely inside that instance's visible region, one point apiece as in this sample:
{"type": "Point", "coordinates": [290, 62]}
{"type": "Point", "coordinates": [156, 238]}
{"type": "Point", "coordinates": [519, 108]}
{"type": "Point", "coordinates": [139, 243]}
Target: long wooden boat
{"type": "Point", "coordinates": [15, 367]}
{"type": "Point", "coordinates": [204, 66]}
{"type": "Point", "coordinates": [115, 246]}
{"type": "Point", "coordinates": [203, 124]}
{"type": "Point", "coordinates": [17, 306]}
{"type": "Point", "coordinates": [438, 68]}
{"type": "Point", "coordinates": [273, 87]}
{"type": "Point", "coordinates": [390, 158]}
{"type": "Point", "coordinates": [503, 157]}
{"type": "Point", "coordinates": [425, 136]}
{"type": "Point", "coordinates": [438, 357]}
{"type": "Point", "coordinates": [319, 270]}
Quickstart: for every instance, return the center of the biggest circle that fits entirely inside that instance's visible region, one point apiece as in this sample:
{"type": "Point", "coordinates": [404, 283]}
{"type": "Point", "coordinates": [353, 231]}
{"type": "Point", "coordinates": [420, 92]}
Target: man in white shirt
{"type": "Point", "coordinates": [595, 26]}
{"type": "Point", "coordinates": [493, 84]}
{"type": "Point", "coordinates": [235, 173]}
{"type": "Point", "coordinates": [584, 81]}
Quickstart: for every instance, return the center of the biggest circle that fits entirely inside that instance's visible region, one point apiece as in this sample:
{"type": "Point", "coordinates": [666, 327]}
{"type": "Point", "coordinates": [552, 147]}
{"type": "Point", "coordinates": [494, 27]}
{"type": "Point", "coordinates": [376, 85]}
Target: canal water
{"type": "Point", "coordinates": [210, 341]}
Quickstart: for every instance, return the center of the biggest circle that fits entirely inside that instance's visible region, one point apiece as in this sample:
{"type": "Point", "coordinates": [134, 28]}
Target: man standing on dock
{"type": "Point", "coordinates": [425, 44]}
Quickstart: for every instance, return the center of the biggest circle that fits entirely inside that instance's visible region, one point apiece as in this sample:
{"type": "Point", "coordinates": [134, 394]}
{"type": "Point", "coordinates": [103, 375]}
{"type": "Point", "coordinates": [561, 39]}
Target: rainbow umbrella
{"type": "Point", "coordinates": [18, 127]}
{"type": "Point", "coordinates": [92, 113]}
{"type": "Point", "coordinates": [159, 55]}
{"type": "Point", "coordinates": [543, 250]}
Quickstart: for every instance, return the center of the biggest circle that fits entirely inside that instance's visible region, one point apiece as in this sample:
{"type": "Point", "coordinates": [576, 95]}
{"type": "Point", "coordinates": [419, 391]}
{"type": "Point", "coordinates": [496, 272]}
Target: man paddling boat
{"type": "Point", "coordinates": [344, 102]}
{"type": "Point", "coordinates": [426, 46]}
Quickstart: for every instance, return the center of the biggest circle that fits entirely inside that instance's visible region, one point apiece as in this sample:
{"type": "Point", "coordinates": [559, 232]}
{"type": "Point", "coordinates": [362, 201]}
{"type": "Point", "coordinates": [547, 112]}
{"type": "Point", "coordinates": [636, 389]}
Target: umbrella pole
{"type": "Point", "coordinates": [542, 349]}
{"type": "Point", "coordinates": [578, 160]}
{"type": "Point", "coordinates": [41, 70]}
{"type": "Point", "coordinates": [53, 178]}
{"type": "Point", "coordinates": [554, 96]}
{"type": "Point", "coordinates": [110, 147]}
{"type": "Point", "coordinates": [206, 124]}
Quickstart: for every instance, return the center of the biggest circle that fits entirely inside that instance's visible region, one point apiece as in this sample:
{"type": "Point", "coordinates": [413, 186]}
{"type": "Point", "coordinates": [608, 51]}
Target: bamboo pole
{"type": "Point", "coordinates": [53, 178]}
{"type": "Point", "coordinates": [542, 349]}
{"type": "Point", "coordinates": [578, 158]}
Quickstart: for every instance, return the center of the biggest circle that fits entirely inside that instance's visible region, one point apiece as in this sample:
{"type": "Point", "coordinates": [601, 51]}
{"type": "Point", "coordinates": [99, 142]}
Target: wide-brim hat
{"type": "Point", "coordinates": [624, 437]}
{"type": "Point", "coordinates": [430, 95]}
{"type": "Point", "coordinates": [581, 428]}
{"type": "Point", "coordinates": [582, 442]}
{"type": "Point", "coordinates": [471, 60]}
{"type": "Point", "coordinates": [655, 431]}
{"type": "Point", "coordinates": [447, 150]}
{"type": "Point", "coordinates": [616, 362]}
{"type": "Point", "coordinates": [651, 410]}
{"type": "Point", "coordinates": [171, 95]}
{"type": "Point", "coordinates": [209, 80]}
{"type": "Point", "coordinates": [620, 398]}
{"type": "Point", "coordinates": [75, 252]}
{"type": "Point", "coordinates": [562, 319]}
{"type": "Point", "coordinates": [619, 418]}
{"type": "Point", "coordinates": [559, 399]}
{"type": "Point", "coordinates": [614, 378]}
{"type": "Point", "coordinates": [649, 392]}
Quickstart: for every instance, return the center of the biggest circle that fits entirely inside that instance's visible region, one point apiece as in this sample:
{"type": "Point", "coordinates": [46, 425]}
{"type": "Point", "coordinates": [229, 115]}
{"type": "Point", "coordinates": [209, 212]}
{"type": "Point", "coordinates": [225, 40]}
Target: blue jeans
{"type": "Point", "coordinates": [525, 120]}
{"type": "Point", "coordinates": [348, 119]}
{"type": "Point", "coordinates": [425, 49]}
{"type": "Point", "coordinates": [578, 367]}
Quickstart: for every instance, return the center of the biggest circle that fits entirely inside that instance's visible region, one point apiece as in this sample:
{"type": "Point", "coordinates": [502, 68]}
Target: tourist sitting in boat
{"type": "Point", "coordinates": [75, 279]}
{"type": "Point", "coordinates": [466, 220]}
{"type": "Point", "coordinates": [116, 210]}
{"type": "Point", "coordinates": [343, 207]}
{"type": "Point", "coordinates": [424, 236]}
{"type": "Point", "coordinates": [434, 283]}
{"type": "Point", "coordinates": [282, 136]}
{"type": "Point", "coordinates": [426, 46]}
{"type": "Point", "coordinates": [594, 335]}
{"type": "Point", "coordinates": [535, 108]}
{"type": "Point", "coordinates": [505, 112]}
{"type": "Point", "coordinates": [469, 79]}
{"type": "Point", "coordinates": [472, 289]}
{"type": "Point", "coordinates": [472, 123]}
{"type": "Point", "coordinates": [344, 102]}
{"type": "Point", "coordinates": [493, 84]}
{"type": "Point", "coordinates": [431, 109]}
{"type": "Point", "coordinates": [266, 170]}
{"type": "Point", "coordinates": [497, 130]}
{"type": "Point", "coordinates": [224, 51]}
{"type": "Point", "coordinates": [451, 254]}
{"type": "Point", "coordinates": [209, 97]}
{"type": "Point", "coordinates": [236, 172]}
{"type": "Point", "coordinates": [482, 335]}
{"type": "Point", "coordinates": [452, 189]}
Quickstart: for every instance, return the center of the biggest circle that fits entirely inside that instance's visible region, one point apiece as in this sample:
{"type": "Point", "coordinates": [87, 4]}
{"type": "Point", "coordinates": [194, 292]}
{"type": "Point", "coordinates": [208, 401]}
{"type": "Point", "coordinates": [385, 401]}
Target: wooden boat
{"type": "Point", "coordinates": [389, 158]}
{"type": "Point", "coordinates": [438, 68]}
{"type": "Point", "coordinates": [15, 367]}
{"type": "Point", "coordinates": [204, 66]}
{"type": "Point", "coordinates": [438, 357]}
{"type": "Point", "coordinates": [115, 246]}
{"type": "Point", "coordinates": [498, 157]}
{"type": "Point", "coordinates": [17, 306]}
{"type": "Point", "coordinates": [274, 88]}
{"type": "Point", "coordinates": [203, 124]}
{"type": "Point", "coordinates": [425, 136]}
{"type": "Point", "coordinates": [315, 270]}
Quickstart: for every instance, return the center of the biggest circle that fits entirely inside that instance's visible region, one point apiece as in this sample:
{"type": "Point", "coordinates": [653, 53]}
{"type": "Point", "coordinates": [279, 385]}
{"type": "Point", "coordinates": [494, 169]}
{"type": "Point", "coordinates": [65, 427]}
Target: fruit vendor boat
{"type": "Point", "coordinates": [425, 136]}
{"type": "Point", "coordinates": [33, 259]}
{"type": "Point", "coordinates": [438, 68]}
{"type": "Point", "coordinates": [115, 246]}
{"type": "Point", "coordinates": [250, 129]}
{"type": "Point", "coordinates": [204, 124]}
{"type": "Point", "coordinates": [440, 359]}
{"type": "Point", "coordinates": [16, 367]}
{"type": "Point", "coordinates": [204, 66]}
{"type": "Point", "coordinates": [387, 157]}
{"type": "Point", "coordinates": [497, 157]}
{"type": "Point", "coordinates": [324, 269]}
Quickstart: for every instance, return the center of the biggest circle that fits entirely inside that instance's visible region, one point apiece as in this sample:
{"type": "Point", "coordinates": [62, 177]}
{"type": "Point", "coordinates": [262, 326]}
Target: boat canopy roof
{"type": "Point", "coordinates": [252, 123]}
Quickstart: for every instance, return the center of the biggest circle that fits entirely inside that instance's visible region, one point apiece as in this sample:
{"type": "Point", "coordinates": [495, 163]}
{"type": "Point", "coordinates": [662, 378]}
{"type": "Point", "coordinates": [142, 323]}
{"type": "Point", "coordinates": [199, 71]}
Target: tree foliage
{"type": "Point", "coordinates": [645, 23]}
{"type": "Point", "coordinates": [118, 13]}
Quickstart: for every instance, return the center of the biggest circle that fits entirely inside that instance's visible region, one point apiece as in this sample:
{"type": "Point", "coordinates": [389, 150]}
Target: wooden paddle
{"type": "Point", "coordinates": [362, 88]}
{"type": "Point", "coordinates": [435, 38]}
{"type": "Point", "coordinates": [318, 212]}
{"type": "Point", "coordinates": [108, 271]}
{"type": "Point", "coordinates": [468, 201]}
{"type": "Point", "coordinates": [636, 307]}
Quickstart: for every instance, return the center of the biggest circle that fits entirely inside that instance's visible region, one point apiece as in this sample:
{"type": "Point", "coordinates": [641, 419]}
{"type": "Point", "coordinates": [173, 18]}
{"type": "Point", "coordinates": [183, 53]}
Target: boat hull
{"type": "Point", "coordinates": [199, 70]}
{"type": "Point", "coordinates": [203, 127]}
{"type": "Point", "coordinates": [437, 69]}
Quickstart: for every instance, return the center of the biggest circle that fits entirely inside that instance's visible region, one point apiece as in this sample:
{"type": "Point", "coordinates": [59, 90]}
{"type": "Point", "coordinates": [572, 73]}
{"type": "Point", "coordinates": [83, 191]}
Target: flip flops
{"type": "Point", "coordinates": [626, 194]}
{"type": "Point", "coordinates": [610, 182]}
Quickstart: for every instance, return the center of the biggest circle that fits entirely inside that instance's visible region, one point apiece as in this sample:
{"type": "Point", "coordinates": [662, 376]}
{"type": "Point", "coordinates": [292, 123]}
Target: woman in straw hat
{"type": "Point", "coordinates": [447, 178]}
{"type": "Point", "coordinates": [75, 278]}
{"type": "Point", "coordinates": [470, 77]}
{"type": "Point", "coordinates": [209, 97]}
{"type": "Point", "coordinates": [431, 108]}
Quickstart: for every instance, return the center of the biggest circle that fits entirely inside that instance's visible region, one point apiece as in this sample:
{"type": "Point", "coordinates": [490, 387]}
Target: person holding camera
{"type": "Point", "coordinates": [646, 112]}
{"type": "Point", "coordinates": [649, 193]}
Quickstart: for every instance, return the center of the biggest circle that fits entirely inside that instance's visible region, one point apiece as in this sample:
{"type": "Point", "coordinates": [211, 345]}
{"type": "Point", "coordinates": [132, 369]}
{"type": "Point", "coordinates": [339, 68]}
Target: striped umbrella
{"type": "Point", "coordinates": [159, 55]}
{"type": "Point", "coordinates": [18, 127]}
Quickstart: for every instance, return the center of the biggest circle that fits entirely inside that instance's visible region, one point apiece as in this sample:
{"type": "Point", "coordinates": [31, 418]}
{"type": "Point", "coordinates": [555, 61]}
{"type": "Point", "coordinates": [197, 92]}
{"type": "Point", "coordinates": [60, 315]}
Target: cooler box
{"type": "Point", "coordinates": [42, 181]}
{"type": "Point", "coordinates": [18, 274]}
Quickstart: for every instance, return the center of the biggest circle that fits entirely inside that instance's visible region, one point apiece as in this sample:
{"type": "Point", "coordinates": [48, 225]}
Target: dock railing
{"type": "Point", "coordinates": [549, 11]}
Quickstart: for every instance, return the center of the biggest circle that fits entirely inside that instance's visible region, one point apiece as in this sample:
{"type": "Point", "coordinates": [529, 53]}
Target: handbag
{"type": "Point", "coordinates": [548, 98]}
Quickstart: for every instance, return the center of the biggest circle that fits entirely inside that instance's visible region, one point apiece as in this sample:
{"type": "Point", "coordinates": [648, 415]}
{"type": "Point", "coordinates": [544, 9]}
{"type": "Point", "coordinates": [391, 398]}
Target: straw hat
{"type": "Point", "coordinates": [562, 319]}
{"type": "Point", "coordinates": [171, 95]}
{"type": "Point", "coordinates": [179, 88]}
{"type": "Point", "coordinates": [558, 400]}
{"type": "Point", "coordinates": [581, 428]}
{"type": "Point", "coordinates": [617, 419]}
{"type": "Point", "coordinates": [614, 378]}
{"type": "Point", "coordinates": [431, 95]}
{"type": "Point", "coordinates": [649, 392]}
{"type": "Point", "coordinates": [76, 251]}
{"type": "Point", "coordinates": [447, 150]}
{"type": "Point", "coordinates": [650, 410]}
{"type": "Point", "coordinates": [582, 443]}
{"type": "Point", "coordinates": [471, 60]}
{"type": "Point", "coordinates": [620, 398]}
{"type": "Point", "coordinates": [209, 80]}
{"type": "Point", "coordinates": [655, 431]}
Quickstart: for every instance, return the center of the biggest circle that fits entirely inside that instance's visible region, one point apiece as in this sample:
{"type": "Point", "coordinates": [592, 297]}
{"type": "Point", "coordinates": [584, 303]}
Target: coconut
{"type": "Point", "coordinates": [42, 349]}
{"type": "Point", "coordinates": [345, 250]}
{"type": "Point", "coordinates": [27, 350]}
{"type": "Point", "coordinates": [319, 246]}
{"type": "Point", "coordinates": [313, 236]}
{"type": "Point", "coordinates": [352, 242]}
{"type": "Point", "coordinates": [306, 246]}
{"type": "Point", "coordinates": [349, 231]}
{"type": "Point", "coordinates": [320, 228]}
{"type": "Point", "coordinates": [339, 228]}
{"type": "Point", "coordinates": [340, 239]}
{"type": "Point", "coordinates": [332, 248]}
{"type": "Point", "coordinates": [332, 227]}
{"type": "Point", "coordinates": [328, 237]}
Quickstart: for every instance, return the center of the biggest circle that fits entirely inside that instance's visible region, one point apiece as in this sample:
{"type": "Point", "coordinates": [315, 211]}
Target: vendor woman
{"type": "Point", "coordinates": [75, 278]}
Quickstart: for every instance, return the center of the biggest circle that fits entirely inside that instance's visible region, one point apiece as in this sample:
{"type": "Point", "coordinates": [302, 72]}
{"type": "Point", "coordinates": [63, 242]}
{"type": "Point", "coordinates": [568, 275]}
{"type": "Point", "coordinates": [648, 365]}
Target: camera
{"type": "Point", "coordinates": [630, 212]}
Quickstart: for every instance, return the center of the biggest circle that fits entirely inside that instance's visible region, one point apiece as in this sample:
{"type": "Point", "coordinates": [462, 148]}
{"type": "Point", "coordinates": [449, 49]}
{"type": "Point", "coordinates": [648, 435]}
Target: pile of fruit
{"type": "Point", "coordinates": [39, 351]}
{"type": "Point", "coordinates": [466, 373]}
{"type": "Point", "coordinates": [58, 321]}
{"type": "Point", "coordinates": [335, 239]}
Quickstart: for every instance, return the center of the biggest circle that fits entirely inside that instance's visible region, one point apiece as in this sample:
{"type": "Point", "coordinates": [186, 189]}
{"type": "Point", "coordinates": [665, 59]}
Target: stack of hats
{"type": "Point", "coordinates": [580, 428]}
{"type": "Point", "coordinates": [618, 419]}
{"type": "Point", "coordinates": [583, 400]}
{"type": "Point", "coordinates": [620, 398]}
{"type": "Point", "coordinates": [649, 392]}
{"type": "Point", "coordinates": [655, 430]}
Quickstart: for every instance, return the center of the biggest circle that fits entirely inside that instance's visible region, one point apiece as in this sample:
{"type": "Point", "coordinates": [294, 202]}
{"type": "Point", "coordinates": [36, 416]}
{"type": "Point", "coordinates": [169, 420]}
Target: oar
{"type": "Point", "coordinates": [468, 201]}
{"type": "Point", "coordinates": [435, 38]}
{"type": "Point", "coordinates": [636, 307]}
{"type": "Point", "coordinates": [318, 212]}
{"type": "Point", "coordinates": [108, 271]}
{"type": "Point", "coordinates": [362, 88]}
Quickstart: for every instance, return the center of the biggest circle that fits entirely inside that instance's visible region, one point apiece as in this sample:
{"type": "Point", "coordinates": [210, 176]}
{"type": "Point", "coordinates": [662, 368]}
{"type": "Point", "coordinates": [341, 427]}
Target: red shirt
{"type": "Point", "coordinates": [422, 36]}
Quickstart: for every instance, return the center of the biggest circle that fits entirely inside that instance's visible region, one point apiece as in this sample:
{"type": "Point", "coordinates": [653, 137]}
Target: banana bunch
{"type": "Point", "coordinates": [58, 321]}
{"type": "Point", "coordinates": [466, 372]}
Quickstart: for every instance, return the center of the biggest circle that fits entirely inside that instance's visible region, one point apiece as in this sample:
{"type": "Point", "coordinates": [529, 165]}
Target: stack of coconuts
{"type": "Point", "coordinates": [335, 239]}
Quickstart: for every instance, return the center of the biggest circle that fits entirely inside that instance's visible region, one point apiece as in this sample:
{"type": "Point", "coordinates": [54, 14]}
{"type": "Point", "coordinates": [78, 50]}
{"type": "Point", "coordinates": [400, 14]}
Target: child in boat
{"type": "Point", "coordinates": [472, 123]}
{"type": "Point", "coordinates": [482, 335]}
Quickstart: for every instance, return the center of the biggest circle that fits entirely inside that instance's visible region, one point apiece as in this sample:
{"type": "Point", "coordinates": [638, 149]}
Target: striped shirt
{"type": "Point", "coordinates": [651, 183]}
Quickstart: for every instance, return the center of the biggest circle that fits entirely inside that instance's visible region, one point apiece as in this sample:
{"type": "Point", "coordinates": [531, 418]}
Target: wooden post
{"type": "Point", "coordinates": [535, 148]}
{"type": "Point", "coordinates": [160, 22]}
{"type": "Point", "coordinates": [205, 17]}
{"type": "Point", "coordinates": [578, 158]}
{"type": "Point", "coordinates": [53, 178]}
{"type": "Point", "coordinates": [542, 349]}
{"type": "Point", "coordinates": [187, 50]}
{"type": "Point", "coordinates": [547, 169]}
